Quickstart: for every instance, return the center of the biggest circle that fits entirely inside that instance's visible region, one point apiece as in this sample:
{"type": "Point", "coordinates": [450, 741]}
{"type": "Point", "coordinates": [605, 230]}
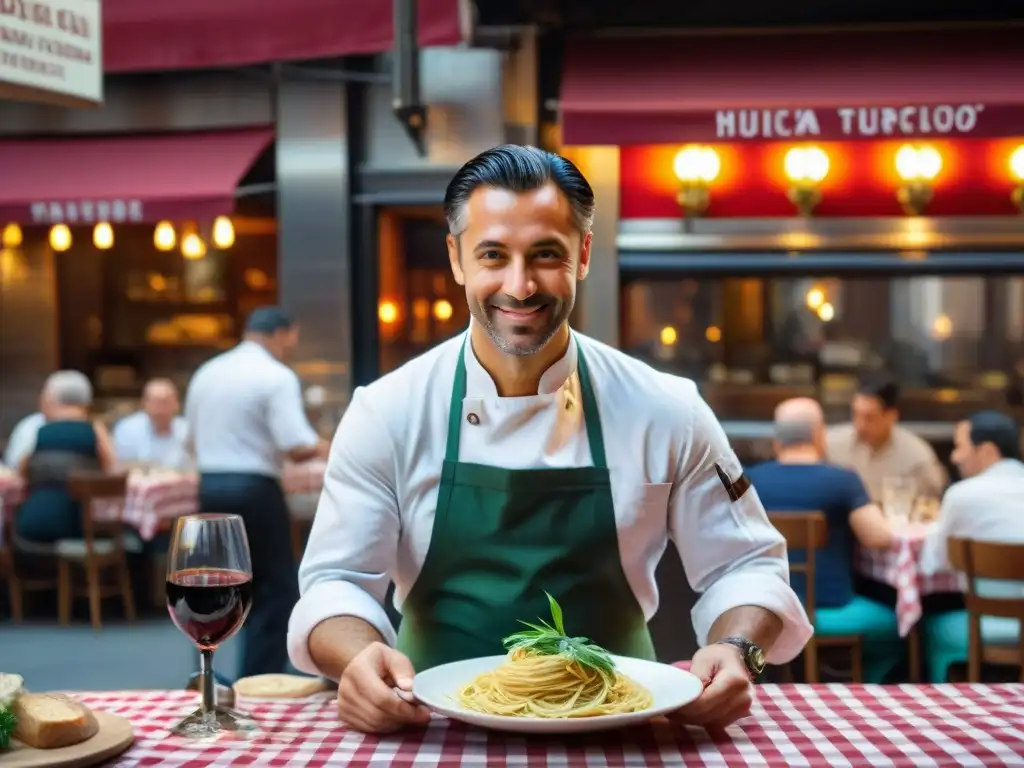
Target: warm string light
{"type": "Point", "coordinates": [60, 237]}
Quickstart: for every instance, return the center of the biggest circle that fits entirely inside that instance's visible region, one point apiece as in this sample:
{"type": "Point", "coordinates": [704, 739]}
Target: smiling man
{"type": "Point", "coordinates": [521, 457]}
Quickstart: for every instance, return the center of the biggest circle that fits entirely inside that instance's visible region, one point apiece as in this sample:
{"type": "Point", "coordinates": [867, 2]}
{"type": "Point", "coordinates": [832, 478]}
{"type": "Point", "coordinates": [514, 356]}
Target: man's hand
{"type": "Point", "coordinates": [367, 700]}
{"type": "Point", "coordinates": [728, 690]}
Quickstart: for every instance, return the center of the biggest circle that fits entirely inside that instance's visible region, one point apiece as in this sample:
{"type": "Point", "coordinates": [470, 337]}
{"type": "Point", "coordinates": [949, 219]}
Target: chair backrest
{"type": "Point", "coordinates": [989, 560]}
{"type": "Point", "coordinates": [998, 562]}
{"type": "Point", "coordinates": [807, 532]}
{"type": "Point", "coordinates": [89, 487]}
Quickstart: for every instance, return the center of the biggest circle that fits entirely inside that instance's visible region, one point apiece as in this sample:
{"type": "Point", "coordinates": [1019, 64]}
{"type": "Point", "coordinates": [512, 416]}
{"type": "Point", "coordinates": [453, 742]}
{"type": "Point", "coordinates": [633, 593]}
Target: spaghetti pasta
{"type": "Point", "coordinates": [531, 684]}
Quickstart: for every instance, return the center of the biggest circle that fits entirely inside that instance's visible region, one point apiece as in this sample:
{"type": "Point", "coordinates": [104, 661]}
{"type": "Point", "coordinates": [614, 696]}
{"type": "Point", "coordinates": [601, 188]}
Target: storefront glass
{"type": "Point", "coordinates": [419, 303]}
{"type": "Point", "coordinates": [751, 341]}
{"type": "Point", "coordinates": [131, 312]}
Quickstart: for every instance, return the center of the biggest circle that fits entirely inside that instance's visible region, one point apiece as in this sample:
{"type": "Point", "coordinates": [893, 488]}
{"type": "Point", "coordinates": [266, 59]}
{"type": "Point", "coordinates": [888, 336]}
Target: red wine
{"type": "Point", "coordinates": [209, 604]}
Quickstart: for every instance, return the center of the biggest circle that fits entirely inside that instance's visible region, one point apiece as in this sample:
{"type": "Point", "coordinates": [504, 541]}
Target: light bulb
{"type": "Point", "coordinates": [223, 233]}
{"type": "Point", "coordinates": [192, 246]}
{"type": "Point", "coordinates": [164, 236]}
{"type": "Point", "coordinates": [697, 163]}
{"type": "Point", "coordinates": [103, 235]}
{"type": "Point", "coordinates": [443, 310]}
{"type": "Point", "coordinates": [12, 236]}
{"type": "Point", "coordinates": [60, 237]}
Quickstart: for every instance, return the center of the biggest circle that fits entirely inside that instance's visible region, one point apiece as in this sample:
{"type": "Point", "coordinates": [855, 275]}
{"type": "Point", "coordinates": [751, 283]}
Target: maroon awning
{"type": "Point", "coordinates": [178, 176]}
{"type": "Point", "coordinates": [141, 35]}
{"type": "Point", "coordinates": [837, 86]}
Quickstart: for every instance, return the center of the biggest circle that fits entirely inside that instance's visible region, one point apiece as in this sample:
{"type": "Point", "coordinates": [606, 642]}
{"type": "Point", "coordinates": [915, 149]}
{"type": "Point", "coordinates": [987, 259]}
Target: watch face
{"type": "Point", "coordinates": [756, 659]}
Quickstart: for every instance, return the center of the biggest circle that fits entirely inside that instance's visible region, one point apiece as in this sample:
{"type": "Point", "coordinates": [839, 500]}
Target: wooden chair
{"type": "Point", "coordinates": [15, 550]}
{"type": "Point", "coordinates": [808, 532]}
{"type": "Point", "coordinates": [102, 548]}
{"type": "Point", "coordinates": [7, 571]}
{"type": "Point", "coordinates": [984, 560]}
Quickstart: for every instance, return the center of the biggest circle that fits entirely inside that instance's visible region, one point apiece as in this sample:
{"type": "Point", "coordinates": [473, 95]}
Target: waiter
{"type": "Point", "coordinates": [245, 414]}
{"type": "Point", "coordinates": [521, 457]}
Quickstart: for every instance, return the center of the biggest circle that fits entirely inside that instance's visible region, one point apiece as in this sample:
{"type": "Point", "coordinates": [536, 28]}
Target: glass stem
{"type": "Point", "coordinates": [208, 683]}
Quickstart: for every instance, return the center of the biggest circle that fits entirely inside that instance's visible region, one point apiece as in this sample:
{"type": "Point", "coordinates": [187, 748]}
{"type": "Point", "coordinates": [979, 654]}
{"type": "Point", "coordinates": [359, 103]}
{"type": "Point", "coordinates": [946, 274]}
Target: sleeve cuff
{"type": "Point", "coordinates": [327, 600]}
{"type": "Point", "coordinates": [764, 590]}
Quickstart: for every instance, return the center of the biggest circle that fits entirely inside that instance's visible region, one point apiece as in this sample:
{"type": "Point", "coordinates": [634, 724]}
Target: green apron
{"type": "Point", "coordinates": [502, 537]}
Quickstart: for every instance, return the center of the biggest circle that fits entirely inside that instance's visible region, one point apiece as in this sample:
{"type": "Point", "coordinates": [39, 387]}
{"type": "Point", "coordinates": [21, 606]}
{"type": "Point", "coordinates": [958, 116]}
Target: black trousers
{"type": "Point", "coordinates": [260, 502]}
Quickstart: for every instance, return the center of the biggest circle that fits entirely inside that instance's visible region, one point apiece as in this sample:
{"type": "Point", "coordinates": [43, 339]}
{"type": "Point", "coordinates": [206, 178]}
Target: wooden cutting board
{"type": "Point", "coordinates": [114, 737]}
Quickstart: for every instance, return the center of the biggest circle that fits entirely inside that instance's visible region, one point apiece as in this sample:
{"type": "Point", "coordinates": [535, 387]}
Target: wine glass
{"type": "Point", "coordinates": [209, 594]}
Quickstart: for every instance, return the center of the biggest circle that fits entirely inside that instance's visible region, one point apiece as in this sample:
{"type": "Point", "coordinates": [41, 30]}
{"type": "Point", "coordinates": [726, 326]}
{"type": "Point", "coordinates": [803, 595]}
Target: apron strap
{"type": "Point", "coordinates": [591, 416]}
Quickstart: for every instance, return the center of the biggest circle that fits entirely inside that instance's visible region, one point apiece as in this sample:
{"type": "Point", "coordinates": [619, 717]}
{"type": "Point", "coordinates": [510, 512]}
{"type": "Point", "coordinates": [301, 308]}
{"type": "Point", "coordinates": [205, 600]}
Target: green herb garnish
{"type": "Point", "coordinates": [8, 724]}
{"type": "Point", "coordinates": [546, 639]}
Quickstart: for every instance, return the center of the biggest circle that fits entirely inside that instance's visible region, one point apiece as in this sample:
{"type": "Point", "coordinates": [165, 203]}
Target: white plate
{"type": "Point", "coordinates": [671, 687]}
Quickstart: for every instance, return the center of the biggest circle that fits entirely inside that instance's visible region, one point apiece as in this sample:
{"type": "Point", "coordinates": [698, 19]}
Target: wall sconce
{"type": "Point", "coordinates": [806, 168]}
{"type": "Point", "coordinates": [1017, 172]}
{"type": "Point", "coordinates": [60, 237]}
{"type": "Point", "coordinates": [193, 247]}
{"type": "Point", "coordinates": [695, 167]}
{"type": "Point", "coordinates": [12, 236]}
{"type": "Point", "coordinates": [917, 167]}
{"type": "Point", "coordinates": [103, 236]}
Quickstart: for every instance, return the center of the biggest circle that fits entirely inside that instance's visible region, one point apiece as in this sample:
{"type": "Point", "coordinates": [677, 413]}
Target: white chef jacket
{"type": "Point", "coordinates": [376, 514]}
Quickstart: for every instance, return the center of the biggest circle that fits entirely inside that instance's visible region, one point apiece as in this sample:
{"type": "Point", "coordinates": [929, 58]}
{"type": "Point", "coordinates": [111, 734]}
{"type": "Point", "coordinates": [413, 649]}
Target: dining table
{"type": "Point", "coordinates": [899, 567]}
{"type": "Point", "coordinates": [789, 725]}
{"type": "Point", "coordinates": [155, 497]}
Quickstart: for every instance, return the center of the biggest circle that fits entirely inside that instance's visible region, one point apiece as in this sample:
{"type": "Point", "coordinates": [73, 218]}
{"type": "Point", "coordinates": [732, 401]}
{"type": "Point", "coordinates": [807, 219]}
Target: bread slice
{"type": "Point", "coordinates": [279, 686]}
{"type": "Point", "coordinates": [51, 721]}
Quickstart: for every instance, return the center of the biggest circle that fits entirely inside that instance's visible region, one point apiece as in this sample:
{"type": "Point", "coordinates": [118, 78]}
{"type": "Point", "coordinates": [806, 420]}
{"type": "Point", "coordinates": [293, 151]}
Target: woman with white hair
{"type": "Point", "coordinates": [69, 441]}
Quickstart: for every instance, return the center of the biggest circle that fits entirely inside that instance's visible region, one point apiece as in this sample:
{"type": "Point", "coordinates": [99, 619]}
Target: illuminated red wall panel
{"type": "Point", "coordinates": [862, 180]}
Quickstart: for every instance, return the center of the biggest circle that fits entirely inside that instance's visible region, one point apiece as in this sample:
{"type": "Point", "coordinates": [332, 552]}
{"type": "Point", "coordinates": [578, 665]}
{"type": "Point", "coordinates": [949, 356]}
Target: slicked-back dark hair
{"type": "Point", "coordinates": [518, 168]}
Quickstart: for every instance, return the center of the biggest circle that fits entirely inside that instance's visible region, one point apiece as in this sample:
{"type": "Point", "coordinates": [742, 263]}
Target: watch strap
{"type": "Point", "coordinates": [753, 656]}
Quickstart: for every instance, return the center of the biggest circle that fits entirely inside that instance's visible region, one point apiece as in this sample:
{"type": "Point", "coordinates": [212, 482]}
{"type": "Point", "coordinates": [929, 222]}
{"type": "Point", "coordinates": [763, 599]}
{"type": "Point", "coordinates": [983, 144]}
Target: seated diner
{"type": "Point", "coordinates": [987, 505]}
{"type": "Point", "coordinates": [156, 435]}
{"type": "Point", "coordinates": [69, 441]}
{"type": "Point", "coordinates": [800, 480]}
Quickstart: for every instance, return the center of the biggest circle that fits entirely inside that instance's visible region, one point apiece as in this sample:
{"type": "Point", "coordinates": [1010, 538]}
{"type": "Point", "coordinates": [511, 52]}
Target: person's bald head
{"type": "Point", "coordinates": [160, 402]}
{"type": "Point", "coordinates": [799, 423]}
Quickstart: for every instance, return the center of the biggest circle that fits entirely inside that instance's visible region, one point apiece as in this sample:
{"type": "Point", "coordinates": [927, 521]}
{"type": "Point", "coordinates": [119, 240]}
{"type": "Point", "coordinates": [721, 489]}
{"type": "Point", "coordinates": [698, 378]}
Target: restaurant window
{"type": "Point", "coordinates": [952, 342]}
{"type": "Point", "coordinates": [419, 303]}
{"type": "Point", "coordinates": [132, 312]}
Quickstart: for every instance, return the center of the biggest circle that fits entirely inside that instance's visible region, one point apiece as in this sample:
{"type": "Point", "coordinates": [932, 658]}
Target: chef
{"type": "Point", "coordinates": [521, 457]}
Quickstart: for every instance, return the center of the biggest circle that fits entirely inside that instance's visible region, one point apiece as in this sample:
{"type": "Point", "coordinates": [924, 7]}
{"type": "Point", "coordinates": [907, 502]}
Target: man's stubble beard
{"type": "Point", "coordinates": [479, 313]}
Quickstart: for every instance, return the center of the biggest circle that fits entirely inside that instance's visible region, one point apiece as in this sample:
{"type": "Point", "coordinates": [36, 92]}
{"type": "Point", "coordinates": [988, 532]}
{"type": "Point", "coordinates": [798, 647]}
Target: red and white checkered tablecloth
{"type": "Point", "coordinates": [155, 498]}
{"type": "Point", "coordinates": [799, 725]}
{"type": "Point", "coordinates": [898, 567]}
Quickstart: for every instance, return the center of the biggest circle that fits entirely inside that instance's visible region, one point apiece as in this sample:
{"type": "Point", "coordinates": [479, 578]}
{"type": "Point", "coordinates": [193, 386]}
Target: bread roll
{"type": "Point", "coordinates": [51, 721]}
{"type": "Point", "coordinates": [279, 686]}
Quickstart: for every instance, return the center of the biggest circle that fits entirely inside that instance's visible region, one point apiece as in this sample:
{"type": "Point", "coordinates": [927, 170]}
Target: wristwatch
{"type": "Point", "coordinates": [753, 656]}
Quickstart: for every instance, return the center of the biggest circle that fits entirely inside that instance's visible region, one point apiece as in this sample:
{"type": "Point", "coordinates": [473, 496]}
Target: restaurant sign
{"type": "Point", "coordinates": [849, 122]}
{"type": "Point", "coordinates": [87, 212]}
{"type": "Point", "coordinates": [51, 50]}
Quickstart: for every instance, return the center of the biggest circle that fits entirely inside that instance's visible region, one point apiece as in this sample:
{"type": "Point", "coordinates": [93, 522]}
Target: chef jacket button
{"type": "Point", "coordinates": [473, 419]}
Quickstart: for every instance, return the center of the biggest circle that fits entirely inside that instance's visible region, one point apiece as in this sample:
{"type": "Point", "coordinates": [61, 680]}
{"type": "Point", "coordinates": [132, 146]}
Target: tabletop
{"type": "Point", "coordinates": [799, 725]}
{"type": "Point", "coordinates": [898, 567]}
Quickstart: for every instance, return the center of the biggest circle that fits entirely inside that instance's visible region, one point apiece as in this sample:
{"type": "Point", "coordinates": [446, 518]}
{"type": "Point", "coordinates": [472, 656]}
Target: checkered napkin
{"type": "Point", "coordinates": [798, 725]}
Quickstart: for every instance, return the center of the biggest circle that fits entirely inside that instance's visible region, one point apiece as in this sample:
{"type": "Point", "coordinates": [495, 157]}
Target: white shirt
{"type": "Point", "coordinates": [986, 507]}
{"type": "Point", "coordinates": [244, 411]}
{"type": "Point", "coordinates": [376, 513]}
{"type": "Point", "coordinates": [136, 441]}
{"type": "Point", "coordinates": [23, 439]}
